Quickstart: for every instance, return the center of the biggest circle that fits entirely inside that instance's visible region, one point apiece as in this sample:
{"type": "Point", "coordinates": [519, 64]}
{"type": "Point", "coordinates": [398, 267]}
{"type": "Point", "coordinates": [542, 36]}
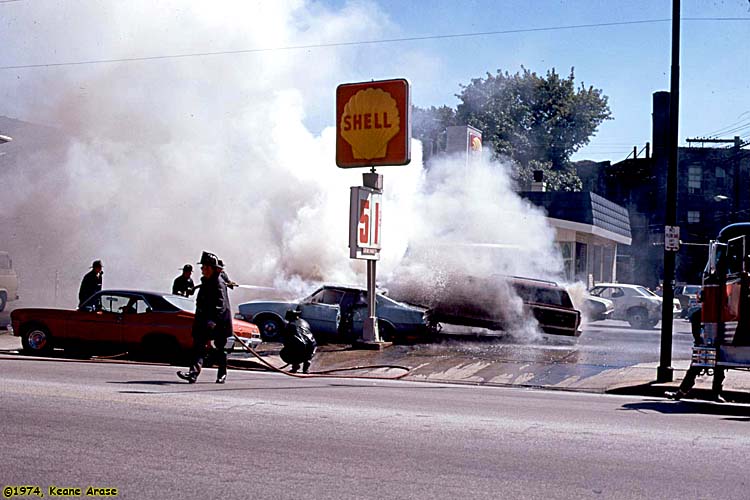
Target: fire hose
{"type": "Point", "coordinates": [326, 373]}
{"type": "Point", "coordinates": [319, 374]}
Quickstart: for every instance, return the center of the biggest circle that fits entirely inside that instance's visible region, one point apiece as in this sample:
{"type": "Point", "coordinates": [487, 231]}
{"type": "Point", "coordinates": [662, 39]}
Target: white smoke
{"type": "Point", "coordinates": [171, 157]}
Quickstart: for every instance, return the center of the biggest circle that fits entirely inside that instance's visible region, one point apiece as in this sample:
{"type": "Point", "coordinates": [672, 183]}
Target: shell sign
{"type": "Point", "coordinates": [373, 125]}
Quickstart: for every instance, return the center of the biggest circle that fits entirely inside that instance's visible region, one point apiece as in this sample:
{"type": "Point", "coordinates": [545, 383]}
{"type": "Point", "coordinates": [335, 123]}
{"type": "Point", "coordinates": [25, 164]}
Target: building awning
{"type": "Point", "coordinates": [585, 212]}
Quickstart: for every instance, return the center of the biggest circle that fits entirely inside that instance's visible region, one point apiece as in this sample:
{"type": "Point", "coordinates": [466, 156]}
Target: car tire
{"type": "Point", "coordinates": [388, 333]}
{"type": "Point", "coordinates": [3, 301]}
{"type": "Point", "coordinates": [271, 328]}
{"type": "Point", "coordinates": [638, 318]}
{"type": "Point", "coordinates": [36, 340]}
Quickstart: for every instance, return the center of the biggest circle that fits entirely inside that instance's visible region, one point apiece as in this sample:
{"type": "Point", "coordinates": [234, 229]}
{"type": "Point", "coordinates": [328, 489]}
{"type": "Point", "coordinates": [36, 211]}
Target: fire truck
{"type": "Point", "coordinates": [725, 316]}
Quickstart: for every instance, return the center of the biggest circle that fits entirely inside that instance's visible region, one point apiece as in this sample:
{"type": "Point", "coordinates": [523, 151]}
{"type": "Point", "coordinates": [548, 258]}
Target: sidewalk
{"type": "Point", "coordinates": [449, 364]}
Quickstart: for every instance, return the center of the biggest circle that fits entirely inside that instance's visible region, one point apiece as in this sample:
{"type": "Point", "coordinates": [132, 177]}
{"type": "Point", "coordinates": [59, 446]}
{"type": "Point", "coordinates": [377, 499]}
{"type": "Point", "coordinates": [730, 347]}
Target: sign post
{"type": "Point", "coordinates": [373, 128]}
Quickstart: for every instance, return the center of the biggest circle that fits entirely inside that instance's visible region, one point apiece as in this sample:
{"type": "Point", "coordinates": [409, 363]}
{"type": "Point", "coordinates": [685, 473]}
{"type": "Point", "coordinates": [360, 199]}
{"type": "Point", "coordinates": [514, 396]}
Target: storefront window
{"type": "Point", "coordinates": [566, 249]}
{"type": "Point", "coordinates": [581, 264]}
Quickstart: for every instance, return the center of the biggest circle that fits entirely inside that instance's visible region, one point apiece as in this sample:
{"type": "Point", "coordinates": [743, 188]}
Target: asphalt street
{"type": "Point", "coordinates": [139, 429]}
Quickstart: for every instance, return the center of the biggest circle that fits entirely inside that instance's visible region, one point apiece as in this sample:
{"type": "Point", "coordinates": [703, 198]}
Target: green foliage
{"type": "Point", "coordinates": [536, 121]}
{"type": "Point", "coordinates": [529, 117]}
{"type": "Point", "coordinates": [429, 125]}
{"type": "Point", "coordinates": [563, 179]}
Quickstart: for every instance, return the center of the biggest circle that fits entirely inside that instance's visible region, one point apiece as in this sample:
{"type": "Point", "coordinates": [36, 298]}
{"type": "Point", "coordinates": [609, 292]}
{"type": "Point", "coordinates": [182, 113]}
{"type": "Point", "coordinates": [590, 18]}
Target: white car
{"type": "Point", "coordinates": [635, 304]}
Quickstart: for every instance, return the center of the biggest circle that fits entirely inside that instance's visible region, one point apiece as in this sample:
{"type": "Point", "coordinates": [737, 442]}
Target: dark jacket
{"type": "Point", "coordinates": [183, 286]}
{"type": "Point", "coordinates": [299, 343]}
{"type": "Point", "coordinates": [212, 305]}
{"type": "Point", "coordinates": [223, 275]}
{"type": "Point", "coordinates": [90, 284]}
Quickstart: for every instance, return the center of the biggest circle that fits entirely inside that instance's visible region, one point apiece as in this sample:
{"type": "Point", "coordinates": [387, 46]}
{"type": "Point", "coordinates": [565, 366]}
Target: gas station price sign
{"type": "Point", "coordinates": [365, 217]}
{"type": "Point", "coordinates": [373, 123]}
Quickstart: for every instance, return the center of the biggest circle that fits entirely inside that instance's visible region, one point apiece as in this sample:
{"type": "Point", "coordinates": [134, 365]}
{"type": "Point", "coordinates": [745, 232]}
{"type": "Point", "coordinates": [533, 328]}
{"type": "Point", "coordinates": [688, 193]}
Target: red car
{"type": "Point", "coordinates": [148, 323]}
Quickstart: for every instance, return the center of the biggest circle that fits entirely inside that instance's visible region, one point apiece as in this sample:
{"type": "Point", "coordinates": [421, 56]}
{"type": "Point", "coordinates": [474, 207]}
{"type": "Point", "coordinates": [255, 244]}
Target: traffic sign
{"type": "Point", "coordinates": [672, 238]}
{"type": "Point", "coordinates": [373, 123]}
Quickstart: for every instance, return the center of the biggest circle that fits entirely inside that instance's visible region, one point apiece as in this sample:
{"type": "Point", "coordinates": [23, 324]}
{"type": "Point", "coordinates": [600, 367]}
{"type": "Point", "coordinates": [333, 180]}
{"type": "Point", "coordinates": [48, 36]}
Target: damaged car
{"type": "Point", "coordinates": [336, 313]}
{"type": "Point", "coordinates": [507, 303]}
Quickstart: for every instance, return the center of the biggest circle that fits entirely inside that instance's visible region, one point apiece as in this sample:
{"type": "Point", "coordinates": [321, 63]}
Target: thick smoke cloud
{"type": "Point", "coordinates": [163, 159]}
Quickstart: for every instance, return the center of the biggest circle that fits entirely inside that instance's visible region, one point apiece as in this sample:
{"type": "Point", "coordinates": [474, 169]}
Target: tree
{"type": "Point", "coordinates": [532, 118]}
{"type": "Point", "coordinates": [563, 179]}
{"type": "Point", "coordinates": [429, 126]}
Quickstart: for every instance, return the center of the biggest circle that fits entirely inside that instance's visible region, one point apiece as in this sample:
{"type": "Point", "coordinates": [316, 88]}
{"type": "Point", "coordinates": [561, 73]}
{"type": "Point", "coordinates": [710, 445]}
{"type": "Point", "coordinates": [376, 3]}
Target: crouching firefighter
{"type": "Point", "coordinates": [213, 321]}
{"type": "Point", "coordinates": [299, 343]}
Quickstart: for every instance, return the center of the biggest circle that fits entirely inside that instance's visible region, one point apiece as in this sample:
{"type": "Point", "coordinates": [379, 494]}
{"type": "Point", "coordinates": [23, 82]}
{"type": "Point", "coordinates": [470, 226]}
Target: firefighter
{"type": "Point", "coordinates": [223, 275]}
{"type": "Point", "coordinates": [693, 372]}
{"type": "Point", "coordinates": [299, 343]}
{"type": "Point", "coordinates": [91, 282]}
{"type": "Point", "coordinates": [183, 284]}
{"type": "Point", "coordinates": [213, 320]}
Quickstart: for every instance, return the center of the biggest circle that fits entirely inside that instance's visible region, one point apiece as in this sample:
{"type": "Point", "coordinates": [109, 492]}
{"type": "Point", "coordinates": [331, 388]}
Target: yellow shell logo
{"type": "Point", "coordinates": [370, 120]}
{"type": "Point", "coordinates": [476, 144]}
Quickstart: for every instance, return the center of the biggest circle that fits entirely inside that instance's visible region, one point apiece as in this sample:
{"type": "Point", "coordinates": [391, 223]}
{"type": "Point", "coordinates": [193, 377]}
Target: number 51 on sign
{"type": "Point", "coordinates": [365, 216]}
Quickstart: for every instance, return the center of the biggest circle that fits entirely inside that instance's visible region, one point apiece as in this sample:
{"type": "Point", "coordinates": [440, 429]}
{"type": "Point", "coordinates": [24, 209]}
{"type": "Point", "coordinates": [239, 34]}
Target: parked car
{"type": "Point", "coordinates": [688, 297]}
{"type": "Point", "coordinates": [597, 308]}
{"type": "Point", "coordinates": [635, 304]}
{"type": "Point", "coordinates": [8, 281]}
{"type": "Point", "coordinates": [487, 303]}
{"type": "Point", "coordinates": [156, 325]}
{"type": "Point", "coordinates": [337, 313]}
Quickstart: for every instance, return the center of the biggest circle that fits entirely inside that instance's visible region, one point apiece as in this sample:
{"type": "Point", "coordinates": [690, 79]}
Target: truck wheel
{"type": "Point", "coordinates": [638, 318]}
{"type": "Point", "coordinates": [3, 300]}
{"type": "Point", "coordinates": [271, 329]}
{"type": "Point", "coordinates": [36, 340]}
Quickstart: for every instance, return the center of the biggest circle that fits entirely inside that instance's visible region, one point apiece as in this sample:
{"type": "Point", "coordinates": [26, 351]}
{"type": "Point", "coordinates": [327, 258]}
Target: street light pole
{"type": "Point", "coordinates": [665, 372]}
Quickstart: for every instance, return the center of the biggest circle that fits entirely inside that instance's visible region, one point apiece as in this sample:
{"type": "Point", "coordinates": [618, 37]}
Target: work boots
{"type": "Point", "coordinates": [190, 376]}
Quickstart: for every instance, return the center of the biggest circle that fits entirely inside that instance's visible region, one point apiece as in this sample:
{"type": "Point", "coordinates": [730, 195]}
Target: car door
{"type": "Point", "coordinates": [322, 311]}
{"type": "Point", "coordinates": [138, 320]}
{"type": "Point", "coordinates": [99, 321]}
{"type": "Point", "coordinates": [358, 312]}
{"type": "Point", "coordinates": [618, 296]}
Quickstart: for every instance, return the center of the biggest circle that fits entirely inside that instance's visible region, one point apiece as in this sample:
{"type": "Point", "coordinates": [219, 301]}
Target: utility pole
{"type": "Point", "coordinates": [665, 372]}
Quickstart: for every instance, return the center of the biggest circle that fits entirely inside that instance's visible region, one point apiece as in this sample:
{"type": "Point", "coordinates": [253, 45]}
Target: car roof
{"type": "Point", "coordinates": [534, 282]}
{"type": "Point", "coordinates": [145, 293]}
{"type": "Point", "coordinates": [358, 288]}
{"type": "Point", "coordinates": [621, 285]}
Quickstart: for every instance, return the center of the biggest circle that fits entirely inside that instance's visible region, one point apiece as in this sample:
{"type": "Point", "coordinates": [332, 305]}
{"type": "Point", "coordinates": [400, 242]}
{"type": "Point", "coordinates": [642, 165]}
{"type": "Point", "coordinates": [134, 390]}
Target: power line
{"type": "Point", "coordinates": [366, 42]}
{"type": "Point", "coordinates": [721, 131]}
